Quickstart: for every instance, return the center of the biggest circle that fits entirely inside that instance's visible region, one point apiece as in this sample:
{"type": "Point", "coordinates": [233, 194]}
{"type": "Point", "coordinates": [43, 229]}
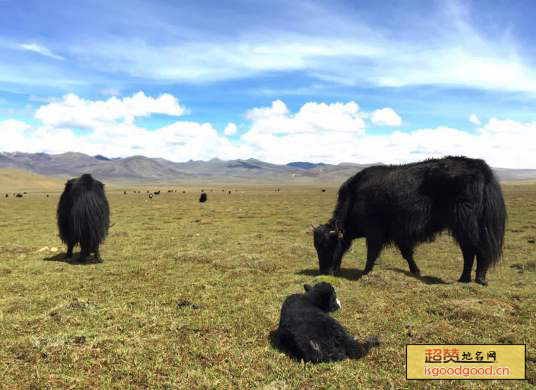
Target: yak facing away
{"type": "Point", "coordinates": [83, 216]}
{"type": "Point", "coordinates": [409, 204]}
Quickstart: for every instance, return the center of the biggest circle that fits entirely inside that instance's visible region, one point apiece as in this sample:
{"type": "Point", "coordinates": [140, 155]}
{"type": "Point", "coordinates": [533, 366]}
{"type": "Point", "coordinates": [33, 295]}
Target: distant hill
{"type": "Point", "coordinates": [18, 180]}
{"type": "Point", "coordinates": [145, 169]}
{"type": "Point", "coordinates": [304, 165]}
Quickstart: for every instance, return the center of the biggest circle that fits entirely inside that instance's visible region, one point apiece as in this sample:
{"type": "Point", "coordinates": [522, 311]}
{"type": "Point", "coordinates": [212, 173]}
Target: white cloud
{"type": "Point", "coordinates": [74, 111]}
{"type": "Point", "coordinates": [331, 133]}
{"type": "Point", "coordinates": [475, 120]}
{"type": "Point", "coordinates": [278, 136]}
{"type": "Point", "coordinates": [311, 118]}
{"type": "Point", "coordinates": [33, 47]}
{"type": "Point", "coordinates": [386, 116]}
{"type": "Point", "coordinates": [230, 129]}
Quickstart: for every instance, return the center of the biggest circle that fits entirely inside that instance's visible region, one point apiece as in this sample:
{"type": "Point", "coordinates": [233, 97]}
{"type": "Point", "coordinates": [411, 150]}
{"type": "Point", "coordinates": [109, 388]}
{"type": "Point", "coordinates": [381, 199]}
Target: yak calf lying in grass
{"type": "Point", "coordinates": [83, 216]}
{"type": "Point", "coordinates": [306, 331]}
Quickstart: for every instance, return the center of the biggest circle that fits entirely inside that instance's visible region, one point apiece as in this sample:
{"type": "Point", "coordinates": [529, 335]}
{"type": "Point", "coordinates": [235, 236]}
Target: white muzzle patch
{"type": "Point", "coordinates": [338, 303]}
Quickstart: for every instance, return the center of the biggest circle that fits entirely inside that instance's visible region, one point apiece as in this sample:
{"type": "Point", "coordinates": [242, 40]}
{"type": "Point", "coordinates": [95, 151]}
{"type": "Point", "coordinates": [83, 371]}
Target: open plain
{"type": "Point", "coordinates": [188, 293]}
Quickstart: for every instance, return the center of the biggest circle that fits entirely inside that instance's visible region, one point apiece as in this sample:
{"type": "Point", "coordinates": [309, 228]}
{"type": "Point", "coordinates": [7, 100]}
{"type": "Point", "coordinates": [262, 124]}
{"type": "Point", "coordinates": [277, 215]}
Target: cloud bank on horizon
{"type": "Point", "coordinates": [279, 82]}
{"type": "Point", "coordinates": [332, 133]}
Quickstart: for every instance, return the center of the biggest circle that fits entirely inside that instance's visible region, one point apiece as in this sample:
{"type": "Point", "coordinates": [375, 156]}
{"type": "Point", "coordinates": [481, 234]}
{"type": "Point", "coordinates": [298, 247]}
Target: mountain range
{"type": "Point", "coordinates": [145, 169]}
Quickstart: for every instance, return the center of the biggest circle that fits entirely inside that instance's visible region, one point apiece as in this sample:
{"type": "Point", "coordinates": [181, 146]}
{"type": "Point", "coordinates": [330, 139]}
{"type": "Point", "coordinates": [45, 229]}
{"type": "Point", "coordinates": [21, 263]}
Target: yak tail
{"type": "Point", "coordinates": [90, 218]}
{"type": "Point", "coordinates": [355, 349]}
{"type": "Point", "coordinates": [492, 222]}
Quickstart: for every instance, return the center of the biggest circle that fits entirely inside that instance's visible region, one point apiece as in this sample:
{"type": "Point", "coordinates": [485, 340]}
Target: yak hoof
{"type": "Point", "coordinates": [481, 281]}
{"type": "Point", "coordinates": [416, 272]}
{"type": "Point", "coordinates": [464, 279]}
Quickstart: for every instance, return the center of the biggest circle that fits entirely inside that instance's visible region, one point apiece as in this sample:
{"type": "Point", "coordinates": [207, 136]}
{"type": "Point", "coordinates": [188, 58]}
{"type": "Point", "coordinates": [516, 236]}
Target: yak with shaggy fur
{"type": "Point", "coordinates": [409, 204]}
{"type": "Point", "coordinates": [83, 216]}
{"type": "Point", "coordinates": [307, 332]}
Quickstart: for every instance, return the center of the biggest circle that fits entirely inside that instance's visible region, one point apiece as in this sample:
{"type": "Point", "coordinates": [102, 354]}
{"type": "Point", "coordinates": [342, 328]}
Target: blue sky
{"type": "Point", "coordinates": [390, 81]}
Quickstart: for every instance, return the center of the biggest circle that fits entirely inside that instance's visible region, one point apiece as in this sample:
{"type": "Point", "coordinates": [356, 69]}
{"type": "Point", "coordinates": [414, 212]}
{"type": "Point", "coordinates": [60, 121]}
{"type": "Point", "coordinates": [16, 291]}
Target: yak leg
{"type": "Point", "coordinates": [98, 256]}
{"type": "Point", "coordinates": [84, 253]}
{"type": "Point", "coordinates": [407, 254]}
{"type": "Point", "coordinates": [468, 260]}
{"type": "Point", "coordinates": [339, 253]}
{"type": "Point", "coordinates": [374, 248]}
{"type": "Point", "coordinates": [69, 253]}
{"type": "Point", "coordinates": [481, 269]}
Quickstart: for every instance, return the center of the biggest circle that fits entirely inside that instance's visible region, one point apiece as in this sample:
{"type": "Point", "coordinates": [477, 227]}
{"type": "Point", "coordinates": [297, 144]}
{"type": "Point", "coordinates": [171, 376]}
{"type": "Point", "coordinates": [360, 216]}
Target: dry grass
{"type": "Point", "coordinates": [15, 180]}
{"type": "Point", "coordinates": [188, 294]}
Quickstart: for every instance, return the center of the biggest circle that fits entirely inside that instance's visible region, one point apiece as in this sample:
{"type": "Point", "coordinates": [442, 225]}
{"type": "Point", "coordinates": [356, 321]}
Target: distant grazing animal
{"type": "Point", "coordinates": [157, 192]}
{"type": "Point", "coordinates": [410, 204]}
{"type": "Point", "coordinates": [18, 195]}
{"type": "Point", "coordinates": [150, 196]}
{"type": "Point", "coordinates": [203, 197]}
{"type": "Point", "coordinates": [83, 216]}
{"type": "Point", "coordinates": [124, 192]}
{"type": "Point", "coordinates": [7, 196]}
{"type": "Point", "coordinates": [323, 190]}
{"type": "Point", "coordinates": [47, 195]}
{"type": "Point", "coordinates": [306, 331]}
{"type": "Point", "coordinates": [184, 192]}
{"type": "Point", "coordinates": [229, 192]}
{"type": "Point", "coordinates": [170, 191]}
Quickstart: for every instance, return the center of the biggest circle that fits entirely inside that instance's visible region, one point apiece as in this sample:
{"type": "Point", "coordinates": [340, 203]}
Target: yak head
{"type": "Point", "coordinates": [327, 240]}
{"type": "Point", "coordinates": [322, 295]}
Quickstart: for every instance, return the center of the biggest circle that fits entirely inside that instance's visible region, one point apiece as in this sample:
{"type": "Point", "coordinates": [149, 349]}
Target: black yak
{"type": "Point", "coordinates": [203, 197]}
{"type": "Point", "coordinates": [83, 216]}
{"type": "Point", "coordinates": [7, 196]}
{"type": "Point", "coordinates": [157, 192]}
{"type": "Point", "coordinates": [150, 196]}
{"type": "Point", "coordinates": [19, 195]}
{"type": "Point", "coordinates": [306, 331]}
{"type": "Point", "coordinates": [409, 204]}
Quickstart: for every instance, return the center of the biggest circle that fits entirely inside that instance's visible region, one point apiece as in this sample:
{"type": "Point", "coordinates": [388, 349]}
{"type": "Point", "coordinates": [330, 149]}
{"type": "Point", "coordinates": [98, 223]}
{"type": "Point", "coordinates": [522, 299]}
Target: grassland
{"type": "Point", "coordinates": [15, 180]}
{"type": "Point", "coordinates": [188, 294]}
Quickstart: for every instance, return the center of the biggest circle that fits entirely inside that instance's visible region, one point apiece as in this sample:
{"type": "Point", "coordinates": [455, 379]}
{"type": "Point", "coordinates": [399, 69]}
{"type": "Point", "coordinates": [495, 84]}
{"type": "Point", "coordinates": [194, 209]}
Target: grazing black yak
{"type": "Point", "coordinates": [203, 197]}
{"type": "Point", "coordinates": [157, 192]}
{"type": "Point", "coordinates": [412, 203]}
{"type": "Point", "coordinates": [306, 331]}
{"type": "Point", "coordinates": [7, 196]}
{"type": "Point", "coordinates": [83, 216]}
{"type": "Point", "coordinates": [19, 195]}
